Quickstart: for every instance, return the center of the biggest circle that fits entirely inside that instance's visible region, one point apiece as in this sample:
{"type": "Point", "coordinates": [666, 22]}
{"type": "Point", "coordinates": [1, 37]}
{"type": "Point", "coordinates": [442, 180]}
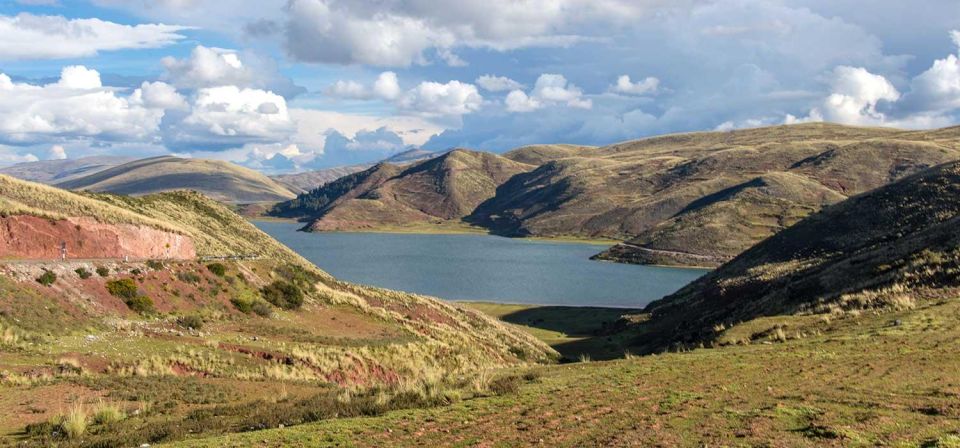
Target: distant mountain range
{"type": "Point", "coordinates": [308, 180]}
{"type": "Point", "coordinates": [55, 171]}
{"type": "Point", "coordinates": [689, 199]}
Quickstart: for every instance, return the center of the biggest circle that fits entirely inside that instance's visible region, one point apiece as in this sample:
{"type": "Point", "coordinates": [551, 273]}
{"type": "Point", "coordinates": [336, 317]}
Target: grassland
{"type": "Point", "coordinates": [890, 379]}
{"type": "Point", "coordinates": [219, 180]}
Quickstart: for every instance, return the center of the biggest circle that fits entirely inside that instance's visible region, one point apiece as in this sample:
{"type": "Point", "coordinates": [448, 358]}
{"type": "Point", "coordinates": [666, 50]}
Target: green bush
{"type": "Point", "coordinates": [83, 273]}
{"type": "Point", "coordinates": [218, 269]}
{"type": "Point", "coordinates": [283, 294]}
{"type": "Point", "coordinates": [47, 278]}
{"type": "Point", "coordinates": [261, 308]}
{"type": "Point", "coordinates": [192, 322]}
{"type": "Point", "coordinates": [140, 304]}
{"type": "Point", "coordinates": [103, 271]}
{"type": "Point", "coordinates": [125, 288]}
{"type": "Point", "coordinates": [244, 306]}
{"type": "Point", "coordinates": [156, 265]}
{"type": "Point", "coordinates": [188, 277]}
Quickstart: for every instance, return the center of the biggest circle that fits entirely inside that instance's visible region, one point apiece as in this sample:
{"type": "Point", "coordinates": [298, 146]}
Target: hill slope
{"type": "Point", "coordinates": [444, 188]}
{"type": "Point", "coordinates": [890, 247]}
{"type": "Point", "coordinates": [54, 171]}
{"type": "Point", "coordinates": [220, 180]}
{"type": "Point", "coordinates": [308, 180]}
{"type": "Point", "coordinates": [674, 197]}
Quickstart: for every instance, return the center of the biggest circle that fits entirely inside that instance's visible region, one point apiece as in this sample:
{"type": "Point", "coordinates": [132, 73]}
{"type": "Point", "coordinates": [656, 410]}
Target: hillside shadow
{"type": "Point", "coordinates": [585, 331]}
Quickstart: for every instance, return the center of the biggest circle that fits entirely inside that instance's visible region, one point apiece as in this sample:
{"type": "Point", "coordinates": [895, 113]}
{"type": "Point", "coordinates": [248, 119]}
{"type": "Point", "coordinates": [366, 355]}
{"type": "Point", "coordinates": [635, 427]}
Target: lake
{"type": "Point", "coordinates": [482, 267]}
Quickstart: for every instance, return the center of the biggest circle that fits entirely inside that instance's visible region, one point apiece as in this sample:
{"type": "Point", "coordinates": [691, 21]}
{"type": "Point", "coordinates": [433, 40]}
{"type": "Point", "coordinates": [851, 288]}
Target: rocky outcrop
{"type": "Point", "coordinates": [34, 238]}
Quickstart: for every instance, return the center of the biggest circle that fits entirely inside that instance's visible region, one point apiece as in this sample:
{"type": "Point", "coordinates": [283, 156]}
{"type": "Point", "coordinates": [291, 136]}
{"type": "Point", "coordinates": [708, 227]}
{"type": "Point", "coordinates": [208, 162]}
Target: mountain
{"type": "Point", "coordinates": [892, 247]}
{"type": "Point", "coordinates": [54, 171]}
{"type": "Point", "coordinates": [702, 198]}
{"type": "Point", "coordinates": [443, 188]}
{"type": "Point", "coordinates": [308, 180]}
{"type": "Point", "coordinates": [220, 180]}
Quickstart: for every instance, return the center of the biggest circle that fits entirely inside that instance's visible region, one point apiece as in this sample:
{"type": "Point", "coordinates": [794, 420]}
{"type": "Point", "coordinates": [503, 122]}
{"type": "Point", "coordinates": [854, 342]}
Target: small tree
{"type": "Point", "coordinates": [47, 278]}
{"type": "Point", "coordinates": [125, 288]}
{"type": "Point", "coordinates": [283, 294]}
{"type": "Point", "coordinates": [218, 269]}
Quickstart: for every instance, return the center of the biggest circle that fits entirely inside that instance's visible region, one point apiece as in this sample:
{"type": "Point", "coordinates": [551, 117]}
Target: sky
{"type": "Point", "coordinates": [293, 85]}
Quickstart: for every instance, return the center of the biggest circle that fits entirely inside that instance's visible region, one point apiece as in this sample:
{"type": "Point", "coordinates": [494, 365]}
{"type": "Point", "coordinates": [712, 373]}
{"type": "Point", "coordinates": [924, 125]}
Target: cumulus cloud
{"type": "Point", "coordinates": [855, 95]}
{"type": "Point", "coordinates": [158, 95]}
{"type": "Point", "coordinates": [386, 87]}
{"type": "Point", "coordinates": [938, 88]}
{"type": "Point", "coordinates": [56, 152]}
{"type": "Point", "coordinates": [625, 86]}
{"type": "Point", "coordinates": [550, 89]}
{"type": "Point", "coordinates": [213, 67]}
{"type": "Point", "coordinates": [229, 116]}
{"type": "Point", "coordinates": [399, 33]}
{"type": "Point", "coordinates": [433, 99]}
{"type": "Point", "coordinates": [498, 83]}
{"type": "Point", "coordinates": [28, 36]}
{"type": "Point", "coordinates": [75, 106]}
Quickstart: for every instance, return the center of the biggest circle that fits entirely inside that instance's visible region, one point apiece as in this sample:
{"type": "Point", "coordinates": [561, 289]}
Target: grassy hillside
{"type": "Point", "coordinates": [54, 171]}
{"type": "Point", "coordinates": [441, 189]}
{"type": "Point", "coordinates": [220, 180]}
{"type": "Point", "coordinates": [702, 198]}
{"type": "Point", "coordinates": [175, 349]}
{"type": "Point", "coordinates": [894, 247]}
{"type": "Point", "coordinates": [856, 382]}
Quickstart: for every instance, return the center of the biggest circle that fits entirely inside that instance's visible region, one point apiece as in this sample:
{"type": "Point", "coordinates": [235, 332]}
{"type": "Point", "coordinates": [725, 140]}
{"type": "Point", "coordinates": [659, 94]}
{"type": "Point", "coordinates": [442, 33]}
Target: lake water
{"type": "Point", "coordinates": [482, 267]}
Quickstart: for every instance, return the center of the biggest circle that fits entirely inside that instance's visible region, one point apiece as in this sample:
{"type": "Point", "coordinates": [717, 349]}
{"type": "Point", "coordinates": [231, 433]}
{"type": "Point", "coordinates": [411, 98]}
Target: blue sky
{"type": "Point", "coordinates": [282, 85]}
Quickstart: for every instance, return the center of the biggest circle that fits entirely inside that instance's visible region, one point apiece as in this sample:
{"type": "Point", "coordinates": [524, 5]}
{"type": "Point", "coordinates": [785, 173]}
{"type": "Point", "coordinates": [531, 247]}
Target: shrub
{"type": "Point", "coordinates": [140, 304]}
{"type": "Point", "coordinates": [242, 305]}
{"type": "Point", "coordinates": [261, 308]}
{"type": "Point", "coordinates": [136, 271]}
{"type": "Point", "coordinates": [124, 288]}
{"type": "Point", "coordinates": [156, 265]}
{"type": "Point", "coordinates": [188, 277]}
{"type": "Point", "coordinates": [105, 414]}
{"type": "Point", "coordinates": [47, 278]}
{"type": "Point", "coordinates": [218, 269]}
{"type": "Point", "coordinates": [102, 271]}
{"type": "Point", "coordinates": [505, 385]}
{"type": "Point", "coordinates": [83, 273]}
{"type": "Point", "coordinates": [283, 294]}
{"type": "Point", "coordinates": [192, 322]}
{"type": "Point", "coordinates": [74, 424]}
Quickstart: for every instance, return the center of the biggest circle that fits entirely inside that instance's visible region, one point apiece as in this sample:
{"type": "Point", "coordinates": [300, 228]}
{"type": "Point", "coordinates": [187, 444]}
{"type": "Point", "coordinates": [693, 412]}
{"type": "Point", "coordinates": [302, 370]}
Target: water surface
{"type": "Point", "coordinates": [482, 267]}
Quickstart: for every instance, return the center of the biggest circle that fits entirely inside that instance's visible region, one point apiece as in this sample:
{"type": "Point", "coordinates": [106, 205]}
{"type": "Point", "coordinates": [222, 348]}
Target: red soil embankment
{"type": "Point", "coordinates": [34, 238]}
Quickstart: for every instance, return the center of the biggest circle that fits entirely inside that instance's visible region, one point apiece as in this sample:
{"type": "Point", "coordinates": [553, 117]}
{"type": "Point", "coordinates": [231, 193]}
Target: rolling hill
{"type": "Point", "coordinates": [893, 247]}
{"type": "Point", "coordinates": [443, 188]}
{"type": "Point", "coordinates": [220, 180]}
{"type": "Point", "coordinates": [54, 171]}
{"type": "Point", "coordinates": [702, 198]}
{"type": "Point", "coordinates": [308, 180]}
{"type": "Point", "coordinates": [201, 310]}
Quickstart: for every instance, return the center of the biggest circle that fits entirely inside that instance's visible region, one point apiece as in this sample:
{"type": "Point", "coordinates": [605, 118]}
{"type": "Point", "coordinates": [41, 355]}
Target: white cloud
{"type": "Point", "coordinates": [550, 89]}
{"type": "Point", "coordinates": [159, 95]}
{"type": "Point", "coordinates": [28, 36]}
{"type": "Point", "coordinates": [938, 88]}
{"type": "Point", "coordinates": [387, 86]}
{"type": "Point", "coordinates": [452, 99]}
{"type": "Point", "coordinates": [214, 67]}
{"type": "Point", "coordinates": [228, 116]}
{"type": "Point", "coordinates": [56, 152]}
{"type": "Point", "coordinates": [399, 33]}
{"type": "Point", "coordinates": [348, 89]}
{"type": "Point", "coordinates": [497, 83]}
{"type": "Point", "coordinates": [646, 86]}
{"type": "Point", "coordinates": [854, 98]}
{"type": "Point", "coordinates": [73, 107]}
